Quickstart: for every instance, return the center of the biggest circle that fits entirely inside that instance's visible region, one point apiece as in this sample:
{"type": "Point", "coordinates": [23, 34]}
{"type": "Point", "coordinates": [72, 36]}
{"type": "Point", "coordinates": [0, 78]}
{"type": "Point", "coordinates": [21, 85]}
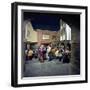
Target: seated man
{"type": "Point", "coordinates": [29, 54]}
{"type": "Point", "coordinates": [52, 54]}
{"type": "Point", "coordinates": [67, 54]}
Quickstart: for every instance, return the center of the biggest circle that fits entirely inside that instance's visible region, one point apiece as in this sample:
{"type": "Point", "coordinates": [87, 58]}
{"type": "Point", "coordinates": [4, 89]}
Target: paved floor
{"type": "Point", "coordinates": [48, 68]}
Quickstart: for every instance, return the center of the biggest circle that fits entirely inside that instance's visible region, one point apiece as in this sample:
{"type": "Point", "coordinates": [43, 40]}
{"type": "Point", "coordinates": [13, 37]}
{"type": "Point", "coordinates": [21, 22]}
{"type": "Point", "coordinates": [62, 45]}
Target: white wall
{"type": "Point", "coordinates": [32, 35]}
{"type": "Point", "coordinates": [5, 46]}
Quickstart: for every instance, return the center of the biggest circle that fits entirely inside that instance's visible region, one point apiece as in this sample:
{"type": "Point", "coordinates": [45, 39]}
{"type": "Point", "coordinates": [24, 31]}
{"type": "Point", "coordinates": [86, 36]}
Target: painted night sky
{"type": "Point", "coordinates": [43, 21]}
{"type": "Point", "coordinates": [47, 21]}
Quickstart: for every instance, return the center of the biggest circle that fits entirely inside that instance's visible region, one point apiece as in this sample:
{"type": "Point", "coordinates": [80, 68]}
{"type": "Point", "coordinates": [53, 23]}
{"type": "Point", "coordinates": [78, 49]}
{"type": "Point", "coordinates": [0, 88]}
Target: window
{"type": "Point", "coordinates": [68, 32]}
{"type": "Point", "coordinates": [45, 36]}
{"type": "Point", "coordinates": [65, 31]}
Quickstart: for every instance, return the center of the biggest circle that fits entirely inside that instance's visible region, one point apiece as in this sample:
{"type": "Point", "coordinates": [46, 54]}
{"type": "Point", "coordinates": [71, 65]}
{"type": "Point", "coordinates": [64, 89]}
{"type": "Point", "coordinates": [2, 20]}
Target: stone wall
{"type": "Point", "coordinates": [51, 36]}
{"type": "Point", "coordinates": [75, 46]}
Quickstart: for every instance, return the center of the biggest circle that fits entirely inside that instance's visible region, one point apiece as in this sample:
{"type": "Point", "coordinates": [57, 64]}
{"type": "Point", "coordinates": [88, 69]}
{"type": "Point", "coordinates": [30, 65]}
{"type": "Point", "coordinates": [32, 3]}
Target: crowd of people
{"type": "Point", "coordinates": [49, 52]}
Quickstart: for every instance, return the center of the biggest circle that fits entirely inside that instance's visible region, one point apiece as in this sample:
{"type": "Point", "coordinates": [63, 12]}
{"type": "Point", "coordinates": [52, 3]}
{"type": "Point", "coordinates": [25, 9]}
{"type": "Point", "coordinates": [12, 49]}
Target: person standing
{"type": "Point", "coordinates": [41, 53]}
{"type": "Point", "coordinates": [48, 51]}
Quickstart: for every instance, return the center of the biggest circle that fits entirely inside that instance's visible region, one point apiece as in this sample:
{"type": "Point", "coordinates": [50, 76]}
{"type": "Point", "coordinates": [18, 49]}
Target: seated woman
{"type": "Point", "coordinates": [28, 53]}
{"type": "Point", "coordinates": [59, 54]}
